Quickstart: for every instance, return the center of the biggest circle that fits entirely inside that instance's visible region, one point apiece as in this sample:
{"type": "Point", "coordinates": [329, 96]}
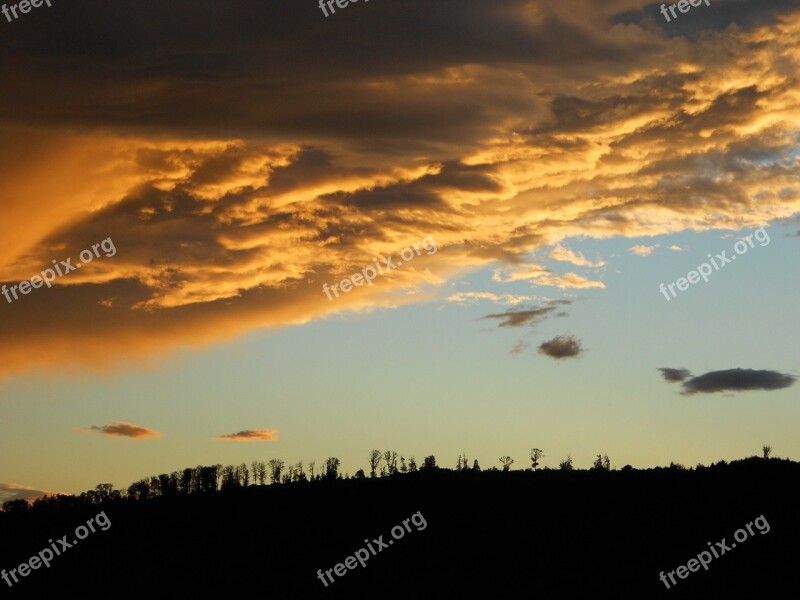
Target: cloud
{"type": "Point", "coordinates": [576, 258]}
{"type": "Point", "coordinates": [16, 491]}
{"type": "Point", "coordinates": [465, 297]}
{"type": "Point", "coordinates": [519, 348]}
{"type": "Point", "coordinates": [521, 317]}
{"type": "Point", "coordinates": [673, 375]}
{"type": "Point", "coordinates": [675, 248]}
{"type": "Point", "coordinates": [737, 380]}
{"type": "Point", "coordinates": [561, 347]}
{"type": "Point", "coordinates": [518, 126]}
{"type": "Point", "coordinates": [540, 276]}
{"type": "Point", "coordinates": [251, 435]}
{"type": "Point", "coordinates": [641, 250]}
{"type": "Point", "coordinates": [125, 430]}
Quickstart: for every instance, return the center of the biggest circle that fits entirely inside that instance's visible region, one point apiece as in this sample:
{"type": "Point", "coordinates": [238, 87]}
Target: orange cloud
{"type": "Point", "coordinates": [16, 491]}
{"type": "Point", "coordinates": [251, 435]}
{"type": "Point", "coordinates": [125, 430]}
{"type": "Point", "coordinates": [226, 221]}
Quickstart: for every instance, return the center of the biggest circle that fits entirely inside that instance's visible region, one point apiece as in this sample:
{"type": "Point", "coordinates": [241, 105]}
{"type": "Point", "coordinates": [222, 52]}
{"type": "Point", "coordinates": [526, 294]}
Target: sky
{"type": "Point", "coordinates": [216, 168]}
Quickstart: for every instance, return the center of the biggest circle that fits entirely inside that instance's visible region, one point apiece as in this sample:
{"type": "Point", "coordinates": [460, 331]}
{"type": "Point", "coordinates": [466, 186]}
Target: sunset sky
{"type": "Point", "coordinates": [567, 158]}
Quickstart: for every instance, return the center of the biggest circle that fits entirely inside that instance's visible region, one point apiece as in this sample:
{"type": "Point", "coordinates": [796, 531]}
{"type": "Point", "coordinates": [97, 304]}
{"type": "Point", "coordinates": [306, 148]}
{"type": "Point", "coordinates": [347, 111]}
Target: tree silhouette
{"type": "Point", "coordinates": [412, 465]}
{"type": "Point", "coordinates": [275, 469]}
{"type": "Point", "coordinates": [390, 458]}
{"type": "Point", "coordinates": [429, 462]}
{"type": "Point", "coordinates": [259, 468]}
{"type": "Point", "coordinates": [566, 464]}
{"type": "Point", "coordinates": [602, 463]}
{"type": "Point", "coordinates": [476, 466]}
{"type": "Point", "coordinates": [506, 461]}
{"type": "Point", "coordinates": [536, 455]}
{"type": "Point", "coordinates": [767, 450]}
{"type": "Point", "coordinates": [18, 505]}
{"type": "Point", "coordinates": [374, 462]}
{"type": "Point", "coordinates": [463, 462]}
{"type": "Point", "coordinates": [332, 467]}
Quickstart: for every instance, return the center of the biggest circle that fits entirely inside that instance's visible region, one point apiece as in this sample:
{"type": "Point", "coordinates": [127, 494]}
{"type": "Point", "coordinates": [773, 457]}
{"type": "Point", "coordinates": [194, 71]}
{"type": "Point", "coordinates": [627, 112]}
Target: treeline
{"type": "Point", "coordinates": [214, 478]}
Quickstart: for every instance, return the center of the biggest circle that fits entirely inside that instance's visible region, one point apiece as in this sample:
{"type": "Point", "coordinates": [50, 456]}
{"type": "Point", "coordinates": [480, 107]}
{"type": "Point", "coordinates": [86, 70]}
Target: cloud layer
{"type": "Point", "coordinates": [234, 182]}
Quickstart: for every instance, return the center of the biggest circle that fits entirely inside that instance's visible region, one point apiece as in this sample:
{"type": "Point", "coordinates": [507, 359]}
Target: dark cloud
{"type": "Point", "coordinates": [520, 317]}
{"type": "Point", "coordinates": [673, 375]}
{"type": "Point", "coordinates": [717, 16]}
{"type": "Point", "coordinates": [561, 347]}
{"type": "Point", "coordinates": [125, 430]}
{"type": "Point", "coordinates": [737, 380]}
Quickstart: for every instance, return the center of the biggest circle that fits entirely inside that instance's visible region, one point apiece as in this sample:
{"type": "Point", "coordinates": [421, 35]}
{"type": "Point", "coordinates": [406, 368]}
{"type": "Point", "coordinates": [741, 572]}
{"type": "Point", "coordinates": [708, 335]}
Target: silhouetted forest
{"type": "Point", "coordinates": [269, 527]}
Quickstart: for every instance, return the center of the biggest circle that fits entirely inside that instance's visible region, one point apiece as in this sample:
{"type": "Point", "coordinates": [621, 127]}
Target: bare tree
{"type": "Point", "coordinates": [767, 450]}
{"type": "Point", "coordinates": [536, 455]}
{"type": "Point", "coordinates": [506, 461]}
{"type": "Point", "coordinates": [374, 462]}
{"type": "Point", "coordinates": [275, 469]}
{"type": "Point", "coordinates": [390, 458]}
{"type": "Point", "coordinates": [259, 468]}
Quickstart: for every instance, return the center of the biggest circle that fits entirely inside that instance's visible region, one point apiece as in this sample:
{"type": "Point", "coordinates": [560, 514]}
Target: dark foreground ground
{"type": "Point", "coordinates": [548, 534]}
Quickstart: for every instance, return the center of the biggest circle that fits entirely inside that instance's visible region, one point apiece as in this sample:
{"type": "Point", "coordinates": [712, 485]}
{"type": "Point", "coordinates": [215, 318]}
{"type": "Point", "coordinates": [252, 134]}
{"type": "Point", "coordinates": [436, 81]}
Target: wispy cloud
{"type": "Point", "coordinates": [251, 435]}
{"type": "Point", "coordinates": [576, 258]}
{"type": "Point", "coordinates": [471, 297]}
{"type": "Point", "coordinates": [127, 430]}
{"type": "Point", "coordinates": [16, 491]}
{"type": "Point", "coordinates": [540, 276]}
{"type": "Point", "coordinates": [642, 250]}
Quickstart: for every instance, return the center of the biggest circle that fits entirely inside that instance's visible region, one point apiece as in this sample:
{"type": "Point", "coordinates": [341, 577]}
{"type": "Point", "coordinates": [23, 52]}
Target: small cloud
{"type": "Point", "coordinates": [519, 348]}
{"type": "Point", "coordinates": [520, 318]}
{"type": "Point", "coordinates": [676, 248]}
{"type": "Point", "coordinates": [576, 258]}
{"type": "Point", "coordinates": [540, 276]}
{"type": "Point", "coordinates": [641, 250]}
{"type": "Point", "coordinates": [561, 347]}
{"type": "Point", "coordinates": [464, 297]}
{"type": "Point", "coordinates": [125, 430]}
{"type": "Point", "coordinates": [251, 435]}
{"type": "Point", "coordinates": [737, 380]}
{"type": "Point", "coordinates": [16, 491]}
{"type": "Point", "coordinates": [674, 375]}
